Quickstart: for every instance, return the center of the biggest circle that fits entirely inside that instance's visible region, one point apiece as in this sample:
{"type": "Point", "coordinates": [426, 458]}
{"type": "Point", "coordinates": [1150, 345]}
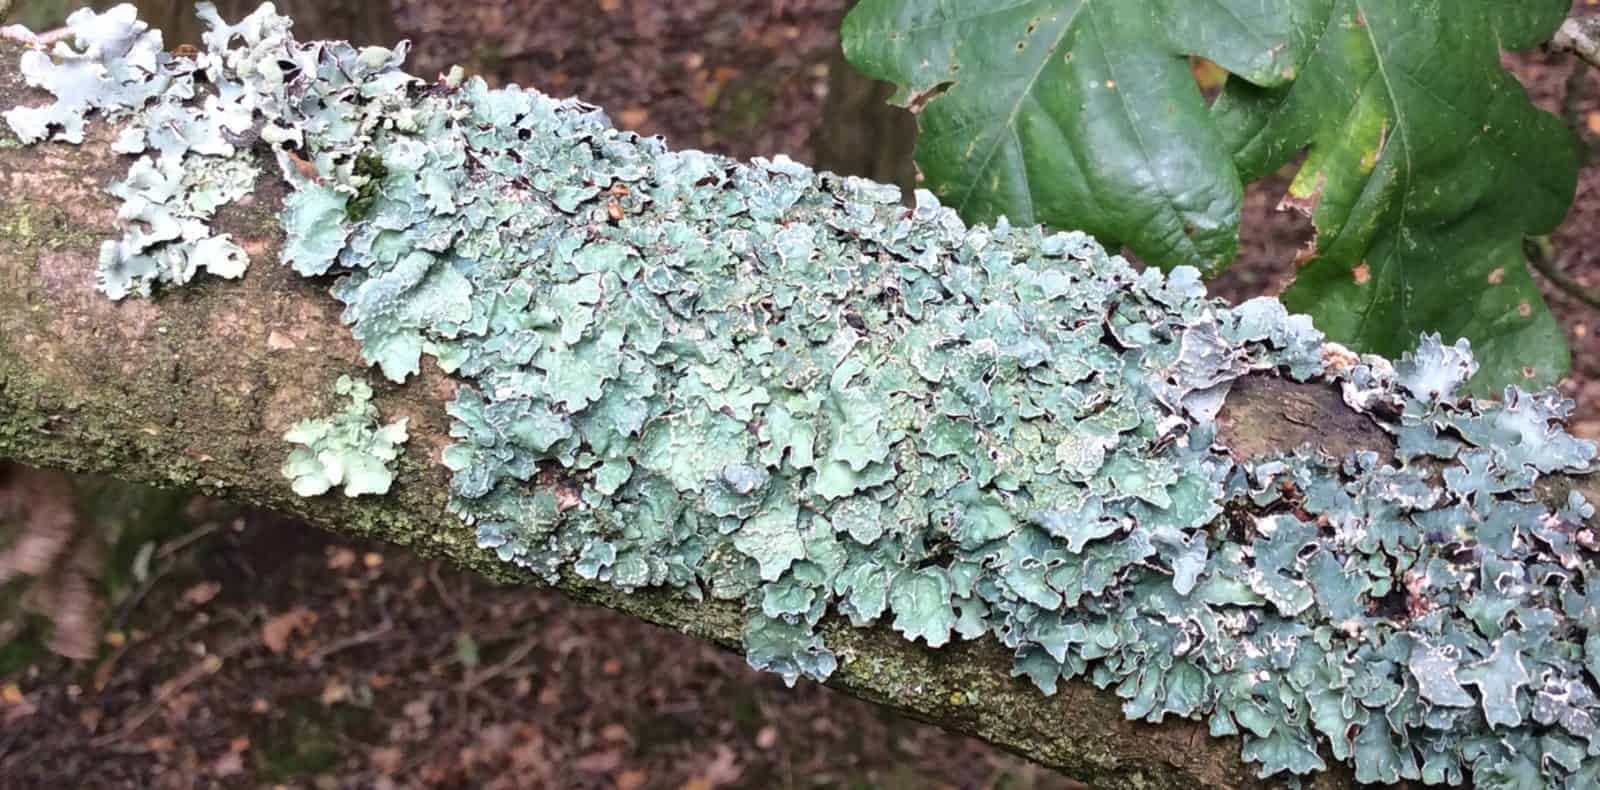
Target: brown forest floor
{"type": "Point", "coordinates": [246, 651]}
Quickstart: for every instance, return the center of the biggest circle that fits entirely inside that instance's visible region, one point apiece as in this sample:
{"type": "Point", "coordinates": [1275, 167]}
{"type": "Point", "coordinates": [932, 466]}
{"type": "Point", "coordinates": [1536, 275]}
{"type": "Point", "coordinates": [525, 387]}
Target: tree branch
{"type": "Point", "coordinates": [196, 388]}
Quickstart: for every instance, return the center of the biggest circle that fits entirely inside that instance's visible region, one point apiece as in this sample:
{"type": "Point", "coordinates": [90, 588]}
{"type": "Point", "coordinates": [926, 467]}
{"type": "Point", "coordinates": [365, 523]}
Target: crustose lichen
{"type": "Point", "coordinates": [762, 383]}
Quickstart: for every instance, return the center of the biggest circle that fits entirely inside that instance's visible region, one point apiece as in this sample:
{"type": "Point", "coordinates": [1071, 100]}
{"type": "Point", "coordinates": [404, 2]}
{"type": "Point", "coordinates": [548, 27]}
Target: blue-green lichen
{"type": "Point", "coordinates": [762, 383]}
{"type": "Point", "coordinates": [347, 449]}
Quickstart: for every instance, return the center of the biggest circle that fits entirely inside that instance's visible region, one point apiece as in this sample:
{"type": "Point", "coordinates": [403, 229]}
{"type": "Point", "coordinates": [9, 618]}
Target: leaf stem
{"type": "Point", "coordinates": [1541, 255]}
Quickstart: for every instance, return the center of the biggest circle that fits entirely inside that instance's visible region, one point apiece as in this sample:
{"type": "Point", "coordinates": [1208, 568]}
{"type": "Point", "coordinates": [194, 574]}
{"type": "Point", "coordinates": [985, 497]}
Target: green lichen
{"type": "Point", "coordinates": [766, 384]}
{"type": "Point", "coordinates": [349, 448]}
{"type": "Point", "coordinates": [119, 69]}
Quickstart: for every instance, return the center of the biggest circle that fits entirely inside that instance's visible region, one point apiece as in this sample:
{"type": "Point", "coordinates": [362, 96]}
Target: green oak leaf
{"type": "Point", "coordinates": [1426, 164]}
{"type": "Point", "coordinates": [1079, 114]}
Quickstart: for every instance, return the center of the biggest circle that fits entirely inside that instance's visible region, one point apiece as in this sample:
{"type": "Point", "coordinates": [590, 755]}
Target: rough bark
{"type": "Point", "coordinates": [195, 389]}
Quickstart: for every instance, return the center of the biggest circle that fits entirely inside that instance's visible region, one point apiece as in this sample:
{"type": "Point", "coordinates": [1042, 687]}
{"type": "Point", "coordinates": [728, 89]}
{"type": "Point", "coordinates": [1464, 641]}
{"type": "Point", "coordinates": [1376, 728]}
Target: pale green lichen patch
{"type": "Point", "coordinates": [762, 383]}
{"type": "Point", "coordinates": [170, 203]}
{"type": "Point", "coordinates": [118, 67]}
{"type": "Point", "coordinates": [348, 449]}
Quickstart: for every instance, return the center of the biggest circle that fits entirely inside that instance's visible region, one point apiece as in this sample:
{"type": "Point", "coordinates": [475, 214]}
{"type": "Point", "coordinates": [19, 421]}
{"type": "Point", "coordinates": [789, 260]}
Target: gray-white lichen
{"type": "Point", "coordinates": [762, 383]}
{"type": "Point", "coordinates": [347, 449]}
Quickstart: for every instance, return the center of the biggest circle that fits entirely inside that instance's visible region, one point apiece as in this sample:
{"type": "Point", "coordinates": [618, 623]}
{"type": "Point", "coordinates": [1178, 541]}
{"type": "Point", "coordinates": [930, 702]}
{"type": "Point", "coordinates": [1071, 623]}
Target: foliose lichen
{"type": "Point", "coordinates": [120, 69]}
{"type": "Point", "coordinates": [348, 448]}
{"type": "Point", "coordinates": [766, 384]}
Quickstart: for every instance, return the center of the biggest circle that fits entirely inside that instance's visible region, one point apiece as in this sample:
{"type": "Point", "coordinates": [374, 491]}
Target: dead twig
{"type": "Point", "coordinates": [444, 595]}
{"type": "Point", "coordinates": [165, 552]}
{"type": "Point", "coordinates": [208, 665]}
{"type": "Point", "coordinates": [520, 652]}
{"type": "Point", "coordinates": [171, 547]}
{"type": "Point", "coordinates": [378, 633]}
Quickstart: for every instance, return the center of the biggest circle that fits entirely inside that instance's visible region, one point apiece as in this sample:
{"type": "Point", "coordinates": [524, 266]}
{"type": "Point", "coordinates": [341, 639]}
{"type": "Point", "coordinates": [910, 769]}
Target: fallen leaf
{"type": "Point", "coordinates": [467, 650]}
{"type": "Point", "coordinates": [103, 673]}
{"type": "Point", "coordinates": [20, 709]}
{"type": "Point", "coordinates": [529, 755]}
{"type": "Point", "coordinates": [335, 692]}
{"type": "Point", "coordinates": [387, 759]}
{"type": "Point", "coordinates": [201, 594]}
{"type": "Point", "coordinates": [275, 632]}
{"type": "Point", "coordinates": [722, 770]}
{"type": "Point", "coordinates": [180, 704]}
{"type": "Point", "coordinates": [631, 779]}
{"type": "Point", "coordinates": [495, 738]}
{"type": "Point", "coordinates": [725, 768]}
{"type": "Point", "coordinates": [599, 762]}
{"type": "Point", "coordinates": [767, 737]}
{"type": "Point", "coordinates": [419, 713]}
{"type": "Point", "coordinates": [229, 764]}
{"type": "Point", "coordinates": [633, 117]}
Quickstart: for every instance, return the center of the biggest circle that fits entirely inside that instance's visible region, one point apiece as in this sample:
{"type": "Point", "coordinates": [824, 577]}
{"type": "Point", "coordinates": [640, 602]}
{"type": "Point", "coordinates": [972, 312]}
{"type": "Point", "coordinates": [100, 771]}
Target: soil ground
{"type": "Point", "coordinates": [246, 651]}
